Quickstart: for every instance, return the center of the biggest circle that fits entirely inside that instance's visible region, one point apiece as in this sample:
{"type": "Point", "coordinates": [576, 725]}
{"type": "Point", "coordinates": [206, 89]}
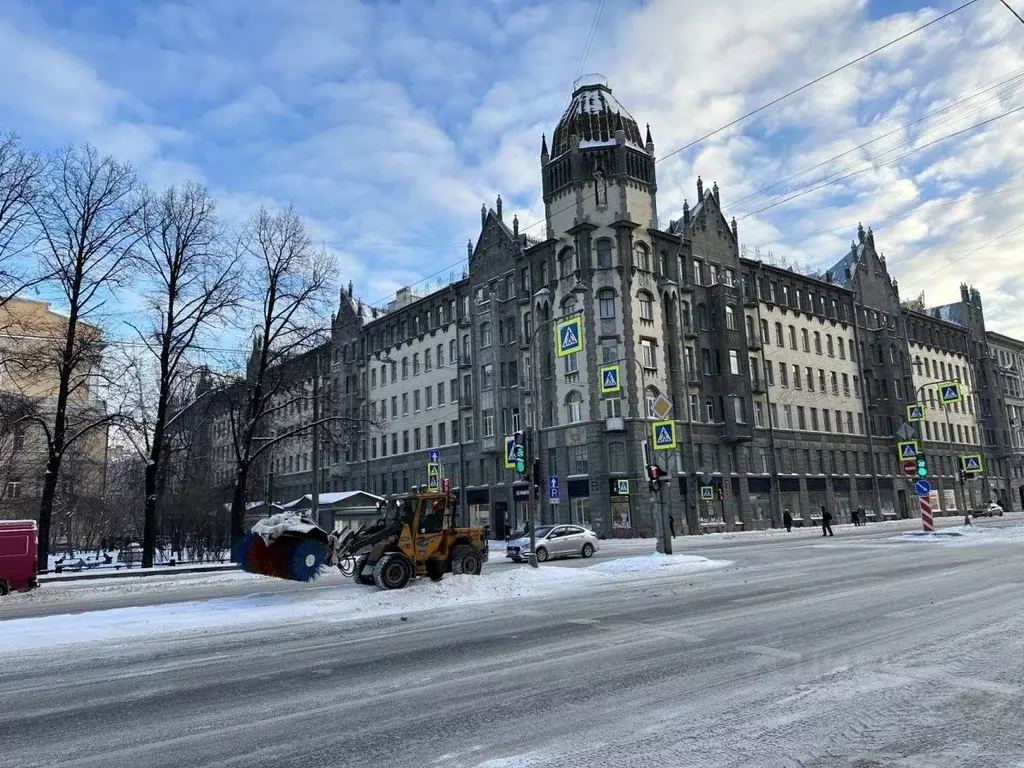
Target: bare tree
{"type": "Point", "coordinates": [291, 280]}
{"type": "Point", "coordinates": [86, 212]}
{"type": "Point", "coordinates": [193, 283]}
{"type": "Point", "coordinates": [20, 176]}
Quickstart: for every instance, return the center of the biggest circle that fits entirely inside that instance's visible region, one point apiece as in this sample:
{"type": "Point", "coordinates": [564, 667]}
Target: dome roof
{"type": "Point", "coordinates": [594, 115]}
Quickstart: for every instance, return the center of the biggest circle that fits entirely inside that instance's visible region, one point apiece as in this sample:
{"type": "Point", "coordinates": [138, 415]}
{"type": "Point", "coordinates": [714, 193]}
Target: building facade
{"type": "Point", "coordinates": [785, 391]}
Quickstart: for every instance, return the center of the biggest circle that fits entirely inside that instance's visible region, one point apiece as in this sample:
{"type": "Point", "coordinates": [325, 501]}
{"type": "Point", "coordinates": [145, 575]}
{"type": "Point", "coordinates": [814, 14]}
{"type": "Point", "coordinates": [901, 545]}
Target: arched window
{"type": "Point", "coordinates": [565, 263]}
{"type": "Point", "coordinates": [568, 304]}
{"type": "Point", "coordinates": [730, 318]}
{"type": "Point", "coordinates": [604, 253]}
{"type": "Point", "coordinates": [574, 407]}
{"type": "Point", "coordinates": [642, 257]}
{"type": "Point", "coordinates": [702, 317]}
{"type": "Point", "coordinates": [485, 335]}
{"type": "Point", "coordinates": [646, 306]}
{"type": "Point", "coordinates": [806, 339]}
{"type": "Point", "coordinates": [766, 337]}
{"type": "Point", "coordinates": [606, 303]}
{"type": "Point", "coordinates": [817, 343]}
{"type": "Point", "coordinates": [842, 347]}
{"type": "Point", "coordinates": [684, 310]}
{"type": "Point", "coordinates": [650, 398]}
{"type": "Point", "coordinates": [664, 263]}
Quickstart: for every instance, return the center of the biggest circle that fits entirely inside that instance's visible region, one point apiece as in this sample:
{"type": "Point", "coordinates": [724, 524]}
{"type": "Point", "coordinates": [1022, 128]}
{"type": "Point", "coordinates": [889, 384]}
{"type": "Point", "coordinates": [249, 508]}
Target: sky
{"type": "Point", "coordinates": [387, 124]}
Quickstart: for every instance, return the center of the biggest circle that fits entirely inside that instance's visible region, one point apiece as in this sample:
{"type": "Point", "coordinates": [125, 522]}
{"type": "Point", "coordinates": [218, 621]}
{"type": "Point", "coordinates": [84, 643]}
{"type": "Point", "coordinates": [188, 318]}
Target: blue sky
{"type": "Point", "coordinates": [387, 124]}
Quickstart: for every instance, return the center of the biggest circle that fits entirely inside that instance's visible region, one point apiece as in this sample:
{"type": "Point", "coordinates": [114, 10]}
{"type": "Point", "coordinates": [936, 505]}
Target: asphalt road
{"type": "Point", "coordinates": [854, 651]}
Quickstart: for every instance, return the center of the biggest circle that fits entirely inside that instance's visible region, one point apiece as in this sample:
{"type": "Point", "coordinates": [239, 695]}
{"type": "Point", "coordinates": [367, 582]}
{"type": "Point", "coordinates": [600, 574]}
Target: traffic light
{"type": "Point", "coordinates": [963, 477]}
{"type": "Point", "coordinates": [536, 477]}
{"type": "Point", "coordinates": [922, 467]}
{"type": "Point", "coordinates": [654, 475]}
{"type": "Point", "coordinates": [520, 453]}
{"type": "Point", "coordinates": [721, 493]}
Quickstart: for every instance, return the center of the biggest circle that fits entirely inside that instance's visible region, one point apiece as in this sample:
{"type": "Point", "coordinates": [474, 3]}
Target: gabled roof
{"type": "Point", "coordinates": [328, 499]}
{"type": "Point", "coordinates": [951, 313]}
{"type": "Point", "coordinates": [837, 273]}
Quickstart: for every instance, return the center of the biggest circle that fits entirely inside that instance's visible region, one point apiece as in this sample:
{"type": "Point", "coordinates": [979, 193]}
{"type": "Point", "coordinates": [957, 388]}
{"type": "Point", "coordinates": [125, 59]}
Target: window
{"type": "Point", "coordinates": [604, 253]}
{"type": "Point", "coordinates": [488, 422]}
{"type": "Point", "coordinates": [758, 414]}
{"type": "Point", "coordinates": [769, 374]}
{"type": "Point", "coordinates": [739, 410]}
{"type": "Point", "coordinates": [442, 438]}
{"type": "Point", "coordinates": [846, 385]}
{"type": "Point", "coordinates": [783, 375]}
{"type": "Point", "coordinates": [405, 403]}
{"type": "Point", "coordinates": [405, 441]}
{"type": "Point", "coordinates": [817, 342]}
{"type": "Point", "coordinates": [466, 348]}
{"type": "Point", "coordinates": [734, 362]}
{"type": "Point", "coordinates": [792, 337]}
{"type": "Point", "coordinates": [779, 338]}
{"type": "Point", "coordinates": [416, 439]}
{"type": "Point", "coordinates": [698, 270]}
{"type": "Point", "coordinates": [829, 347]}
{"type": "Point", "coordinates": [766, 337]}
{"type": "Point", "coordinates": [801, 418]}
{"type": "Point", "coordinates": [572, 363]}
{"type": "Point", "coordinates": [428, 397]}
{"type": "Point", "coordinates": [806, 339]}
{"type": "Point", "coordinates": [565, 263]}
{"type": "Point", "coordinates": [642, 257]}
{"type": "Point", "coordinates": [416, 400]}
{"type": "Point", "coordinates": [709, 405]}
{"type": "Point", "coordinates": [440, 394]}
{"type": "Point", "coordinates": [842, 347]}
{"type": "Point", "coordinates": [613, 408]}
{"type": "Point", "coordinates": [856, 386]}
{"type": "Point", "coordinates": [405, 367]}
{"type": "Point", "coordinates": [487, 377]}
{"type": "Point", "coordinates": [616, 457]}
{"type": "Point", "coordinates": [835, 383]}
{"type": "Point", "coordinates": [609, 350]}
{"type": "Point", "coordinates": [730, 318]}
{"type": "Point", "coordinates": [574, 407]}
{"type": "Point", "coordinates": [453, 390]}
{"type": "Point", "coordinates": [814, 419]}
{"type": "Point", "coordinates": [809, 378]}
{"type": "Point", "coordinates": [485, 335]}
{"type": "Point", "coordinates": [606, 302]}
{"type": "Point", "coordinates": [578, 464]}
{"type": "Point", "coordinates": [373, 379]}
{"type": "Point", "coordinates": [647, 356]}
{"type": "Point", "coordinates": [826, 415]}
{"type": "Point", "coordinates": [416, 364]}
{"type": "Point", "coordinates": [849, 421]}
{"type": "Point", "coordinates": [796, 376]}
{"type": "Point", "coordinates": [694, 408]}
{"type": "Point", "coordinates": [394, 406]}
{"type": "Point", "coordinates": [705, 361]}
{"type": "Point", "coordinates": [646, 306]}
{"type": "Point", "coordinates": [650, 399]}
{"type": "Point", "coordinates": [702, 317]}
{"type": "Point", "coordinates": [787, 413]}
{"type": "Point", "coordinates": [691, 366]}
{"type": "Point", "coordinates": [467, 386]}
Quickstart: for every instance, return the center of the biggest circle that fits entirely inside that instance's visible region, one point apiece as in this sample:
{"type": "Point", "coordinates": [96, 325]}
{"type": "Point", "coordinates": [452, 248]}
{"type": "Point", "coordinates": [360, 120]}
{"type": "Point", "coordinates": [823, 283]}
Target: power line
{"type": "Point", "coordinates": [1010, 9]}
{"type": "Point", "coordinates": [881, 165]}
{"type": "Point", "coordinates": [590, 38]}
{"type": "Point", "coordinates": [933, 272]}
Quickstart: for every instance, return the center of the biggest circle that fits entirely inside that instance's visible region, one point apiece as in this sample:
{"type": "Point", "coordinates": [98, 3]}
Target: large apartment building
{"type": "Point", "coordinates": [786, 391]}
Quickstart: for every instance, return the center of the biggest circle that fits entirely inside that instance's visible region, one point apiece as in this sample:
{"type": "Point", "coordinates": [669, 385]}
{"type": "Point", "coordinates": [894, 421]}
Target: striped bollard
{"type": "Point", "coordinates": [926, 514]}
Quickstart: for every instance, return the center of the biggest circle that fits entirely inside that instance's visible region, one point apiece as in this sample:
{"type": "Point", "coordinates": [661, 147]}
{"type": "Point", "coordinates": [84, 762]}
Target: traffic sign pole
{"type": "Point", "coordinates": [926, 514]}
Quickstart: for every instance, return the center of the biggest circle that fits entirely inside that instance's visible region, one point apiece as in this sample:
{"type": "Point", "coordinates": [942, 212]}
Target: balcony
{"type": "Point", "coordinates": [466, 361]}
{"type": "Point", "coordinates": [757, 386]}
{"type": "Point", "coordinates": [733, 432]}
{"type": "Point", "coordinates": [614, 424]}
{"type": "Point", "coordinates": [689, 331]}
{"type": "Point", "coordinates": [693, 380]}
{"type": "Point", "coordinates": [751, 301]}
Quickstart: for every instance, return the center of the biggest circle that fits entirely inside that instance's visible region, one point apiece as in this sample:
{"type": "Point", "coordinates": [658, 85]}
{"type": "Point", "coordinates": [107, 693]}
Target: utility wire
{"type": "Point", "coordinates": [933, 272]}
{"type": "Point", "coordinates": [590, 38]}
{"type": "Point", "coordinates": [1010, 9]}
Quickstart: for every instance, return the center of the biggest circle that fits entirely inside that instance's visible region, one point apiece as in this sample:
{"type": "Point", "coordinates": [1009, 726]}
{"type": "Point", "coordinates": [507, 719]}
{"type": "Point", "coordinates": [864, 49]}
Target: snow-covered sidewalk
{"type": "Point", "coordinates": [968, 534]}
{"type": "Point", "coordinates": [340, 603]}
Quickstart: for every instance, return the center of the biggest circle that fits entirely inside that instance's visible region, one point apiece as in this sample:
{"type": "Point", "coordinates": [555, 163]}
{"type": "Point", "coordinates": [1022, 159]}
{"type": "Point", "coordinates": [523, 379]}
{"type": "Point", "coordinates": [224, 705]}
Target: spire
{"type": "Point", "coordinates": [700, 191]}
{"type": "Point", "coordinates": [469, 249]}
{"type": "Point", "coordinates": [515, 226]}
{"type": "Point", "coordinates": [735, 230]}
{"type": "Point", "coordinates": [649, 142]}
{"type": "Point", "coordinates": [686, 215]}
{"type": "Point", "coordinates": [483, 215]}
{"type": "Point", "coordinates": [860, 232]}
{"type": "Point", "coordinates": [498, 206]}
{"type": "Point", "coordinates": [714, 192]}
{"type": "Point", "coordinates": [543, 148]}
{"type": "Point", "coordinates": [350, 289]}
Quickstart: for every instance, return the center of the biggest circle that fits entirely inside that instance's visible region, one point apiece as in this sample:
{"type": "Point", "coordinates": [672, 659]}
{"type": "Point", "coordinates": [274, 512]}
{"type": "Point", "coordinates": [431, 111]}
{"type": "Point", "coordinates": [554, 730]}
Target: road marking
{"type": "Point", "coordinates": [775, 653]}
{"type": "Point", "coordinates": [582, 621]}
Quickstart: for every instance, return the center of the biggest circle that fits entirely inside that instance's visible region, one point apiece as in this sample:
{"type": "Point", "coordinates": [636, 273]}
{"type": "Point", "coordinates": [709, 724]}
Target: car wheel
{"type": "Point", "coordinates": [5, 588]}
{"type": "Point", "coordinates": [542, 554]}
{"type": "Point", "coordinates": [588, 550]}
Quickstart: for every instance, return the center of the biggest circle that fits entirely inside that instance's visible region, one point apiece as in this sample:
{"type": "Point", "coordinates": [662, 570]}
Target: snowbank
{"type": "Point", "coordinates": [336, 604]}
{"type": "Point", "coordinates": [968, 534]}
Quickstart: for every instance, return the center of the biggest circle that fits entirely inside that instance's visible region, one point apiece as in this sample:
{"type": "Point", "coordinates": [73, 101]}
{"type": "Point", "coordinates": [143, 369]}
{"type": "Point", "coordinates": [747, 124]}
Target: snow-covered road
{"type": "Point", "coordinates": [864, 650]}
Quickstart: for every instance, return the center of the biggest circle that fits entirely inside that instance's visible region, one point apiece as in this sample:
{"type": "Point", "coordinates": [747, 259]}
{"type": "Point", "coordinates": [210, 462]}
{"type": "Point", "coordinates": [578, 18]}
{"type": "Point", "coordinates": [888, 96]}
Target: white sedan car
{"type": "Point", "coordinates": [555, 541]}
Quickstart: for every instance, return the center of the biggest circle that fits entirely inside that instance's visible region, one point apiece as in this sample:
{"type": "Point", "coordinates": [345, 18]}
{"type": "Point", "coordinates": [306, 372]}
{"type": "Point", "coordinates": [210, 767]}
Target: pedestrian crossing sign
{"type": "Point", "coordinates": [915, 412]}
{"type": "Point", "coordinates": [971, 462]}
{"type": "Point", "coordinates": [433, 476]}
{"type": "Point", "coordinates": [569, 336]}
{"type": "Point", "coordinates": [610, 379]}
{"type": "Point", "coordinates": [622, 487]}
{"type": "Point", "coordinates": [949, 392]}
{"type": "Point", "coordinates": [907, 449]}
{"type": "Point", "coordinates": [664, 435]}
{"type": "Point", "coordinates": [707, 493]}
{"type": "Point", "coordinates": [510, 452]}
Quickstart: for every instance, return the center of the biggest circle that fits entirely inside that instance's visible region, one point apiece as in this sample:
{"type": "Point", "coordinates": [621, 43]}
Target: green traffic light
{"type": "Point", "coordinates": [520, 465]}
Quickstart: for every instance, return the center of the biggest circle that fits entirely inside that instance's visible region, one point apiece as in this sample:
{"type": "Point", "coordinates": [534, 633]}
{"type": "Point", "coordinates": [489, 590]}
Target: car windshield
{"type": "Point", "coordinates": [543, 531]}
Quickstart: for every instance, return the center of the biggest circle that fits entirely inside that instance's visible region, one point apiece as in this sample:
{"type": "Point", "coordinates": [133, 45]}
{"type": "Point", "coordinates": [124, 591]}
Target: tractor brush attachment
{"type": "Point", "coordinates": [285, 546]}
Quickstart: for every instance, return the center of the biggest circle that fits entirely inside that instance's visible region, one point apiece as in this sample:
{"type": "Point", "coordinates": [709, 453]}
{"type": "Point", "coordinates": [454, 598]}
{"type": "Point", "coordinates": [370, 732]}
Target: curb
{"type": "Point", "coordinates": [128, 572]}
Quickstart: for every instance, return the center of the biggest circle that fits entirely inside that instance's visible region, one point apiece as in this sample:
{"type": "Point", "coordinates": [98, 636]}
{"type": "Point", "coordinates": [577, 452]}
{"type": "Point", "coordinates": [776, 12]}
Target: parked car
{"type": "Point", "coordinates": [17, 555]}
{"type": "Point", "coordinates": [555, 541]}
{"type": "Point", "coordinates": [990, 510]}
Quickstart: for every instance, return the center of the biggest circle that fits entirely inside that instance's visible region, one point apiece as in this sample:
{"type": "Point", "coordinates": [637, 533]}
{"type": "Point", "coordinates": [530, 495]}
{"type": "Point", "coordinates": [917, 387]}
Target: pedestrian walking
{"type": "Point", "coordinates": [672, 525]}
{"type": "Point", "coordinates": [826, 522]}
{"type": "Point", "coordinates": [787, 520]}
{"type": "Point", "coordinates": [855, 517]}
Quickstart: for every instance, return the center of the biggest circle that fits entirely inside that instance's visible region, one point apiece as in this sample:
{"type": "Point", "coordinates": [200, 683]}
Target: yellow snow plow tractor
{"type": "Point", "coordinates": [415, 536]}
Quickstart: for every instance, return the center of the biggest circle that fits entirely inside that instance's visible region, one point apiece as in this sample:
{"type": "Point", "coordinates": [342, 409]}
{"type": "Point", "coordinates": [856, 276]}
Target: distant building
{"type": "Point", "coordinates": [785, 391]}
{"type": "Point", "coordinates": [31, 340]}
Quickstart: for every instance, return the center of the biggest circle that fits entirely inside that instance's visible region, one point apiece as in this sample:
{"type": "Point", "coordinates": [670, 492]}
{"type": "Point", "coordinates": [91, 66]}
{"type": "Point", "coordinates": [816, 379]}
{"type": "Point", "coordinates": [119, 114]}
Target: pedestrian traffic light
{"type": "Point", "coordinates": [963, 477]}
{"type": "Point", "coordinates": [520, 453]}
{"type": "Point", "coordinates": [654, 475]}
{"type": "Point", "coordinates": [922, 467]}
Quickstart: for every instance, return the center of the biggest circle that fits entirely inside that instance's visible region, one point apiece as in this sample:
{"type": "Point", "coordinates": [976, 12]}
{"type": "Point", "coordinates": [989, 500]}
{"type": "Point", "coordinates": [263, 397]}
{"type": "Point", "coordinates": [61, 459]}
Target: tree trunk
{"type": "Point", "coordinates": [152, 477]}
{"type": "Point", "coordinates": [238, 509]}
{"type": "Point", "coordinates": [46, 513]}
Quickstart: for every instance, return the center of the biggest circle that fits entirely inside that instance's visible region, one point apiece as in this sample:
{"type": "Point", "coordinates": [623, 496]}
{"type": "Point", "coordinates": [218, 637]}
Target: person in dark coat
{"type": "Point", "coordinates": [787, 520]}
{"type": "Point", "coordinates": [672, 525]}
{"type": "Point", "coordinates": [826, 522]}
{"type": "Point", "coordinates": [855, 517]}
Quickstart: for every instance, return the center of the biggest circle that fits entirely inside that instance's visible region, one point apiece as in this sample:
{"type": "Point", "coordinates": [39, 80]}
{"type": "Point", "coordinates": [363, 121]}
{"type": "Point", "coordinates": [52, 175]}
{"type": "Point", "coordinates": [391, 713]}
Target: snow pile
{"type": "Point", "coordinates": [968, 534]}
{"type": "Point", "coordinates": [338, 602]}
{"type": "Point", "coordinates": [655, 563]}
{"type": "Point", "coordinates": [283, 522]}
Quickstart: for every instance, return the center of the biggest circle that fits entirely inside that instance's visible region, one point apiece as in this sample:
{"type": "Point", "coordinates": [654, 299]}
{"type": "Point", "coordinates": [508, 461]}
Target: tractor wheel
{"type": "Point", "coordinates": [435, 570]}
{"type": "Point", "coordinates": [306, 560]}
{"type": "Point", "coordinates": [5, 588]}
{"type": "Point", "coordinates": [357, 574]}
{"type": "Point", "coordinates": [393, 571]}
{"type": "Point", "coordinates": [466, 560]}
